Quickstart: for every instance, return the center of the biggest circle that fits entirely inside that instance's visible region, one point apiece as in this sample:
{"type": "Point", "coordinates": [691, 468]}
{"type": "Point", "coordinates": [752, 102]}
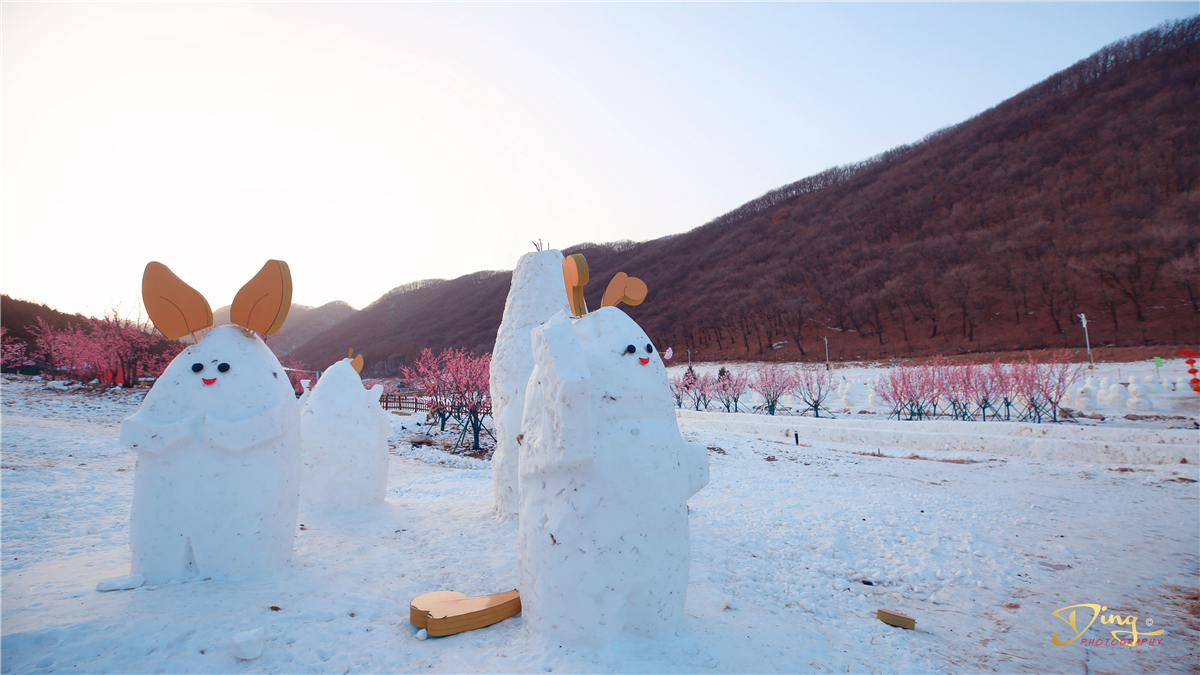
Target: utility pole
{"type": "Point", "coordinates": [826, 353]}
{"type": "Point", "coordinates": [1086, 341]}
{"type": "Point", "coordinates": [689, 358]}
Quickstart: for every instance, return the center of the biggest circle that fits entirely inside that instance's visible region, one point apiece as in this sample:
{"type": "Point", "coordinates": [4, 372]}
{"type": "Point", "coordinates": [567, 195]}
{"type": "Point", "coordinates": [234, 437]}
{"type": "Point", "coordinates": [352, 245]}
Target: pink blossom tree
{"type": "Point", "coordinates": [427, 378]}
{"type": "Point", "coordinates": [469, 377]}
{"type": "Point", "coordinates": [678, 389]}
{"type": "Point", "coordinates": [125, 349]}
{"type": "Point", "coordinates": [12, 350]}
{"type": "Point", "coordinates": [771, 382]}
{"type": "Point", "coordinates": [730, 387]}
{"type": "Point", "coordinates": [1055, 379]}
{"type": "Point", "coordinates": [455, 384]}
{"type": "Point", "coordinates": [702, 390]}
{"type": "Point", "coordinates": [813, 386]}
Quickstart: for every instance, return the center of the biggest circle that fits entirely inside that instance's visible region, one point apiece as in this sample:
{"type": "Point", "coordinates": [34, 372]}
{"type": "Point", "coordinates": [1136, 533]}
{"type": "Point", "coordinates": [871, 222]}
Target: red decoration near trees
{"type": "Point", "coordinates": [1195, 381]}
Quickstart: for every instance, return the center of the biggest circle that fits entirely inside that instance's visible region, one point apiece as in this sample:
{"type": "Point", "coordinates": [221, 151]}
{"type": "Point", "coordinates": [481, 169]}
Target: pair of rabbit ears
{"type": "Point", "coordinates": [622, 288]}
{"type": "Point", "coordinates": [178, 309]}
{"type": "Point", "coordinates": [356, 362]}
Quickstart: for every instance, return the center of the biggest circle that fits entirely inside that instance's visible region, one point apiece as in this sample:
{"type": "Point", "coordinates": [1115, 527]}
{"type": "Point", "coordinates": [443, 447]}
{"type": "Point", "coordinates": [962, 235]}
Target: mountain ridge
{"type": "Point", "coordinates": [1078, 194]}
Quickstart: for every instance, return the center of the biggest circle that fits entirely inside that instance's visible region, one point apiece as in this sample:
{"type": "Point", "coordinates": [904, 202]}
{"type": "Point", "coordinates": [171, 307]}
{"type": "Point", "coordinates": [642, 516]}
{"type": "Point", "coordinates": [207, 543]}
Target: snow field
{"type": "Point", "coordinates": [980, 554]}
{"type": "Point", "coordinates": [1045, 441]}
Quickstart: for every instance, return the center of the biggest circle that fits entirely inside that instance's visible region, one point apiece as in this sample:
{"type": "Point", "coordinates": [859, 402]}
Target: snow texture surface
{"type": "Point", "coordinates": [218, 464]}
{"type": "Point", "coordinates": [344, 441]}
{"type": "Point", "coordinates": [537, 293]}
{"type": "Point", "coordinates": [604, 483]}
{"type": "Point", "coordinates": [979, 553]}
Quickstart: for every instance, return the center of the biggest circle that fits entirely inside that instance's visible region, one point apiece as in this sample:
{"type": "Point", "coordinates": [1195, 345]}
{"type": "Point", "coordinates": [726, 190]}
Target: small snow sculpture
{"type": "Point", "coordinates": [306, 389]}
{"type": "Point", "coordinates": [603, 545]}
{"type": "Point", "coordinates": [1152, 385]}
{"type": "Point", "coordinates": [217, 484]}
{"type": "Point", "coordinates": [1117, 396]}
{"type": "Point", "coordinates": [343, 440]}
{"type": "Point", "coordinates": [1085, 399]}
{"type": "Point", "coordinates": [1138, 400]}
{"type": "Point", "coordinates": [535, 295]}
{"type": "Point", "coordinates": [849, 400]}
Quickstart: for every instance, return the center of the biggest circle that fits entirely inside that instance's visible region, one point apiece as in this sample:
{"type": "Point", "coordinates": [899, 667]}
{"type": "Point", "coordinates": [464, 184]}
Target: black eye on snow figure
{"type": "Point", "coordinates": [630, 349]}
{"type": "Point", "coordinates": [197, 367]}
{"type": "Point", "coordinates": [224, 367]}
{"type": "Point", "coordinates": [649, 348]}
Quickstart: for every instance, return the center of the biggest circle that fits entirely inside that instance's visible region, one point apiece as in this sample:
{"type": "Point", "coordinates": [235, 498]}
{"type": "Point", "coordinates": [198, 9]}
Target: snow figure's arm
{"type": "Point", "coordinates": [566, 387]}
{"type": "Point", "coordinates": [247, 432]}
{"type": "Point", "coordinates": [143, 435]}
{"type": "Point", "coordinates": [695, 459]}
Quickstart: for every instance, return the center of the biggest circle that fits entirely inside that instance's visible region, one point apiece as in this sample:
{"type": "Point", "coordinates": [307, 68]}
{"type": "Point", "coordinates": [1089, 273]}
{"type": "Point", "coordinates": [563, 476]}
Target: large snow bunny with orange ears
{"type": "Point", "coordinates": [603, 543]}
{"type": "Point", "coordinates": [217, 485]}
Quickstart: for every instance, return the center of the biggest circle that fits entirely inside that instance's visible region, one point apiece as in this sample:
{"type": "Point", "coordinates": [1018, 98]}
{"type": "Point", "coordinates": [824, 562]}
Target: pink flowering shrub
{"type": "Point", "coordinates": [813, 386]}
{"type": "Point", "coordinates": [112, 348]}
{"type": "Point", "coordinates": [1033, 390]}
{"type": "Point", "coordinates": [454, 384]}
{"type": "Point", "coordinates": [771, 382]}
{"type": "Point", "coordinates": [12, 350]}
{"type": "Point", "coordinates": [729, 387]}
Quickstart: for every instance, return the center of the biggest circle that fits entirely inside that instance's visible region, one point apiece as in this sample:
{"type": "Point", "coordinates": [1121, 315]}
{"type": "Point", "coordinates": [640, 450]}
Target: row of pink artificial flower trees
{"type": "Point", "coordinates": [110, 348]}
{"type": "Point", "coordinates": [811, 385]}
{"type": "Point", "coordinates": [1028, 389]}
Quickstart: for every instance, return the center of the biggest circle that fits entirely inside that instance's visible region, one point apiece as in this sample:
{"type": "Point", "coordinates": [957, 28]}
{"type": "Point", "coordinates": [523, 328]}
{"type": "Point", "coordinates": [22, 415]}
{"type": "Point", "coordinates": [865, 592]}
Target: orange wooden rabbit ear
{"type": "Point", "coordinates": [263, 303]}
{"type": "Point", "coordinates": [175, 308]}
{"type": "Point", "coordinates": [357, 364]}
{"type": "Point", "coordinates": [575, 274]}
{"type": "Point", "coordinates": [624, 288]}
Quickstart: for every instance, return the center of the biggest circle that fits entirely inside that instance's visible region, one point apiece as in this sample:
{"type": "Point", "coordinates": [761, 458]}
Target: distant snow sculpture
{"type": "Point", "coordinates": [344, 450]}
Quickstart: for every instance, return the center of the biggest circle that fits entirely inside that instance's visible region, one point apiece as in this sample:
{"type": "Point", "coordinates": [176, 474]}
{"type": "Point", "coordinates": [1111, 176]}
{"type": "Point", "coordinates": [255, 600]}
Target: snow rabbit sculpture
{"type": "Point", "coordinates": [217, 484]}
{"type": "Point", "coordinates": [604, 482]}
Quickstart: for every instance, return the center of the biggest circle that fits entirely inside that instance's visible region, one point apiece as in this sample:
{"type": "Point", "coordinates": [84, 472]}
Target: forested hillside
{"type": "Point", "coordinates": [16, 314]}
{"type": "Point", "coordinates": [1079, 195]}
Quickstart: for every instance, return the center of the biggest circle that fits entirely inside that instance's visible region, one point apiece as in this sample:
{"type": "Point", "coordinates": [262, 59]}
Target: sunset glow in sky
{"type": "Point", "coordinates": [370, 145]}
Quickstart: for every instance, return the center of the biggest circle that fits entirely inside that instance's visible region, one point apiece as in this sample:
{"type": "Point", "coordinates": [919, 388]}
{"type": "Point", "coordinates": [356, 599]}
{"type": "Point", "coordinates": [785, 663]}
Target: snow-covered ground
{"type": "Point", "coordinates": [783, 539]}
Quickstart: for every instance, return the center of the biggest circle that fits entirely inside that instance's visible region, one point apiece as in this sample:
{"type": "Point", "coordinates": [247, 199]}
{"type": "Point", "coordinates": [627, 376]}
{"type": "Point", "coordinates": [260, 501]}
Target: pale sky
{"type": "Point", "coordinates": [374, 144]}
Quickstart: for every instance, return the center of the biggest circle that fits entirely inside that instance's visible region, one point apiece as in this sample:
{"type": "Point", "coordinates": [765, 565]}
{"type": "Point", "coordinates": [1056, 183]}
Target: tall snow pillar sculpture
{"type": "Point", "coordinates": [217, 484]}
{"type": "Point", "coordinates": [535, 295]}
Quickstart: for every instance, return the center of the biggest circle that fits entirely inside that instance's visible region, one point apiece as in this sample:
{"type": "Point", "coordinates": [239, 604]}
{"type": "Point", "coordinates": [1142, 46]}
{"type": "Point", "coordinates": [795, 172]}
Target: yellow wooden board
{"type": "Point", "coordinates": [262, 304]}
{"type": "Point", "coordinates": [175, 308]}
{"type": "Point", "coordinates": [418, 609]}
{"type": "Point", "coordinates": [444, 613]}
{"type": "Point", "coordinates": [896, 619]}
{"type": "Point", "coordinates": [626, 289]}
{"type": "Point", "coordinates": [357, 364]}
{"type": "Point", "coordinates": [575, 274]}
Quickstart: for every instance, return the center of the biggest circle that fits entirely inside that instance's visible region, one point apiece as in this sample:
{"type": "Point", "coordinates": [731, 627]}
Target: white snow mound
{"type": "Point", "coordinates": [344, 434]}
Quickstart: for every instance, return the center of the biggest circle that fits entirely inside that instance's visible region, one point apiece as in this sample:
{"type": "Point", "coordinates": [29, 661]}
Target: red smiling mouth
{"type": "Point", "coordinates": [644, 360]}
{"type": "Point", "coordinates": [208, 381]}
